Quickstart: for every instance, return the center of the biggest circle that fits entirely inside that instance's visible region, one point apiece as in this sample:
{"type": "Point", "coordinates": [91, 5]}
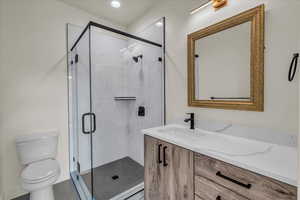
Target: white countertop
{"type": "Point", "coordinates": [272, 160]}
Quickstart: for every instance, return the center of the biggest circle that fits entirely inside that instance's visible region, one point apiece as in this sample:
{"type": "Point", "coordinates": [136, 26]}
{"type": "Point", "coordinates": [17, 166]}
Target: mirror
{"type": "Point", "coordinates": [225, 63]}
{"type": "Point", "coordinates": [223, 71]}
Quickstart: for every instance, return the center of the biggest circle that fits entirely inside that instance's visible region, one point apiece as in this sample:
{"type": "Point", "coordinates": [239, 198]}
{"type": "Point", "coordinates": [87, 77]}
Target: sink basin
{"type": "Point", "coordinates": [178, 131]}
{"type": "Point", "coordinates": [216, 143]}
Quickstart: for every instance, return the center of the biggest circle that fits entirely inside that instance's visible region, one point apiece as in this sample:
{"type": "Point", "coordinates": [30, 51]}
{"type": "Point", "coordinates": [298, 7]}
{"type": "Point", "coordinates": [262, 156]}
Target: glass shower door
{"type": "Point", "coordinates": [127, 93]}
{"type": "Point", "coordinates": [120, 78]}
{"type": "Point", "coordinates": [83, 118]}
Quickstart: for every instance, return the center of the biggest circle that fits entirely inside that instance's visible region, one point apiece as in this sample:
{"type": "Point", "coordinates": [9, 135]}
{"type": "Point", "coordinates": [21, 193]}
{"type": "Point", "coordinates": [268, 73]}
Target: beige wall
{"type": "Point", "coordinates": [33, 80]}
{"type": "Point", "coordinates": [282, 30]}
{"type": "Point", "coordinates": [33, 70]}
{"type": "Point", "coordinates": [1, 113]}
{"type": "Point", "coordinates": [299, 137]}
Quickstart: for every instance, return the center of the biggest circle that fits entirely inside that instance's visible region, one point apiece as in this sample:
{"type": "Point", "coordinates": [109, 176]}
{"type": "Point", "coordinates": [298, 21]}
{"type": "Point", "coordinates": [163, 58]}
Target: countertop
{"type": "Point", "coordinates": [272, 160]}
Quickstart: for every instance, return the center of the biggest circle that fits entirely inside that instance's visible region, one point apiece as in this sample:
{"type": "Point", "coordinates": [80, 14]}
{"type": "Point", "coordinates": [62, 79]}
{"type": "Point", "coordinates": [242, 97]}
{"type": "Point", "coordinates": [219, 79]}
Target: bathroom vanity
{"type": "Point", "coordinates": [183, 164]}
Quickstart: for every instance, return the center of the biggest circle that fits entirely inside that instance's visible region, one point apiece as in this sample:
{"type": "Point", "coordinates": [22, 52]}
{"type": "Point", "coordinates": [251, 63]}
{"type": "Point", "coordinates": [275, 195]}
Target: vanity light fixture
{"type": "Point", "coordinates": [115, 4]}
{"type": "Point", "coordinates": [219, 3]}
{"type": "Point", "coordinates": [215, 4]}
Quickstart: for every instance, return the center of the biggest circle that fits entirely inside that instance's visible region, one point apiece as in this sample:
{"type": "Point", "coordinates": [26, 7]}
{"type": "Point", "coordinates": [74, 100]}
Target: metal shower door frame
{"type": "Point", "coordinates": [88, 28]}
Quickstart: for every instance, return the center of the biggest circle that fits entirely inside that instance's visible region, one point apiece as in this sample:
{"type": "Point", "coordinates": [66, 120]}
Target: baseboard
{"type": "Point", "coordinates": [15, 194]}
{"type": "Point", "coordinates": [63, 178]}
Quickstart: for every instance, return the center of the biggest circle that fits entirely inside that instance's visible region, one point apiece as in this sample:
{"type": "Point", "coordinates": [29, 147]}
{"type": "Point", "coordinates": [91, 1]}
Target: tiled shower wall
{"type": "Point", "coordinates": [114, 73]}
{"type": "Point", "coordinates": [110, 139]}
{"type": "Point", "coordinates": [146, 83]}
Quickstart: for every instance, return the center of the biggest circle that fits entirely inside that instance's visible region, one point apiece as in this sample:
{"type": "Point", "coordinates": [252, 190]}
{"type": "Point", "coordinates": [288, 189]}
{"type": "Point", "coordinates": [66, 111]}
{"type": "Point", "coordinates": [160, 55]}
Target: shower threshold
{"type": "Point", "coordinates": [118, 180]}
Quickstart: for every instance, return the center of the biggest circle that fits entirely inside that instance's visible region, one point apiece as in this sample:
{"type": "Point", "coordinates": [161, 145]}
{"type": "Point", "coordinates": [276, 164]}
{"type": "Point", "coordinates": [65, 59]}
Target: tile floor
{"type": "Point", "coordinates": [62, 191]}
{"type": "Point", "coordinates": [128, 172]}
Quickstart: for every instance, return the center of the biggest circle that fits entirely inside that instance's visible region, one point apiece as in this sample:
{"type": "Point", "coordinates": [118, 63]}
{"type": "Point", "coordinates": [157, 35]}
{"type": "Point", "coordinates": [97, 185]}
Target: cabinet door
{"type": "Point", "coordinates": [153, 172]}
{"type": "Point", "coordinates": [178, 174]}
{"type": "Point", "coordinates": [169, 171]}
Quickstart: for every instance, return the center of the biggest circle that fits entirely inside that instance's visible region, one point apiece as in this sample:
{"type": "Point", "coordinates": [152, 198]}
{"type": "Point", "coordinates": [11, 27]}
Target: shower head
{"type": "Point", "coordinates": [136, 58]}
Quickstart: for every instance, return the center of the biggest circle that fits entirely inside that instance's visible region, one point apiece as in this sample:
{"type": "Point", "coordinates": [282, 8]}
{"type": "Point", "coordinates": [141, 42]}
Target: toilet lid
{"type": "Point", "coordinates": [39, 171]}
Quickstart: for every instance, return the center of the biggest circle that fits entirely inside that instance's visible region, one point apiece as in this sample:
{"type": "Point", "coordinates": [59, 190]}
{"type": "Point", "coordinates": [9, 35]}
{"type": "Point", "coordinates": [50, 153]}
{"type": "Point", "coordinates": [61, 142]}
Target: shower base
{"type": "Point", "coordinates": [120, 179]}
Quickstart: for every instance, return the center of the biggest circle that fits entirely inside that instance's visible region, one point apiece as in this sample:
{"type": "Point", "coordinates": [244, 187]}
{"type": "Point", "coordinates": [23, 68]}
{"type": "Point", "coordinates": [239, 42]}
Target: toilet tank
{"type": "Point", "coordinates": [36, 147]}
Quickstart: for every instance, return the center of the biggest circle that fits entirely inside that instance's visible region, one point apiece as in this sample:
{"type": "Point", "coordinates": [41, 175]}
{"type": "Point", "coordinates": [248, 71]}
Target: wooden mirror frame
{"type": "Point", "coordinates": [257, 18]}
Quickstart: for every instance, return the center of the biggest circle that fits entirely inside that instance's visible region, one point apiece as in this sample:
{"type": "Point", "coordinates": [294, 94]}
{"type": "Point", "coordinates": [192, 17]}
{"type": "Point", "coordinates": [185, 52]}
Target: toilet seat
{"type": "Point", "coordinates": [40, 171]}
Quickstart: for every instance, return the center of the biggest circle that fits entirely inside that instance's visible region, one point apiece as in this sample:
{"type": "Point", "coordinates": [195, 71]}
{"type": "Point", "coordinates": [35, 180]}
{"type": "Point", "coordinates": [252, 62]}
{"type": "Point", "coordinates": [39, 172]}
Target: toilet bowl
{"type": "Point", "coordinates": [37, 153]}
{"type": "Point", "coordinates": [38, 178]}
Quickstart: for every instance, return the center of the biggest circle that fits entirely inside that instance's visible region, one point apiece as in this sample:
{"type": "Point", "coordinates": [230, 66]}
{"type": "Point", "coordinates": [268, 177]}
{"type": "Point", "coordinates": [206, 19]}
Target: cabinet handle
{"type": "Point", "coordinates": [159, 150]}
{"type": "Point", "coordinates": [165, 160]}
{"type": "Point", "coordinates": [219, 198]}
{"type": "Point", "coordinates": [248, 186]}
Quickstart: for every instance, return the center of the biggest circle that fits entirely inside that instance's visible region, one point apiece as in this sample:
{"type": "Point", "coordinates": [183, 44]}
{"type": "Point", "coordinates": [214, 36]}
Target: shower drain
{"type": "Point", "coordinates": [115, 177]}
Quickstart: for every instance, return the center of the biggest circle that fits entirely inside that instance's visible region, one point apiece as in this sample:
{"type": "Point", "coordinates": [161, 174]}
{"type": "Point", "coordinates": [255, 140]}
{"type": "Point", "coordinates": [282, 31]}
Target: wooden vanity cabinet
{"type": "Point", "coordinates": [241, 182]}
{"type": "Point", "coordinates": [169, 171]}
{"type": "Point", "coordinates": [175, 173]}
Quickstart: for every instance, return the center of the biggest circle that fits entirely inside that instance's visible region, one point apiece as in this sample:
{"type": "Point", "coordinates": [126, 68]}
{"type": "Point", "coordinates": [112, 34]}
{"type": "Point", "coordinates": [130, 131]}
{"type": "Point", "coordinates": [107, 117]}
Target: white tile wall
{"type": "Point", "coordinates": [110, 140]}
{"type": "Point", "coordinates": [114, 73]}
{"type": "Point", "coordinates": [146, 80]}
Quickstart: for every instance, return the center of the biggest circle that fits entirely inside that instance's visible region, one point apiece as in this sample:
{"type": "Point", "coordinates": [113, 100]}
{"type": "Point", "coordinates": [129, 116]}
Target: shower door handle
{"type": "Point", "coordinates": [93, 123]}
{"type": "Point", "coordinates": [93, 115]}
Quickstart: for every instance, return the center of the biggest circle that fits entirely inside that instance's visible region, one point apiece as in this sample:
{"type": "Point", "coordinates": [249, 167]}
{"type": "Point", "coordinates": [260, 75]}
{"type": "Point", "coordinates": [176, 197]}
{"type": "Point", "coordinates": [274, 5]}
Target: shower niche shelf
{"type": "Point", "coordinates": [125, 98]}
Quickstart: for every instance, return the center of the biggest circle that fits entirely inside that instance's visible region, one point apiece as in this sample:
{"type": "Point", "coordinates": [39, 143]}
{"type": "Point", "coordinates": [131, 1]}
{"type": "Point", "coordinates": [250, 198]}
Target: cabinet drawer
{"type": "Point", "coordinates": [241, 181]}
{"type": "Point", "coordinates": [207, 190]}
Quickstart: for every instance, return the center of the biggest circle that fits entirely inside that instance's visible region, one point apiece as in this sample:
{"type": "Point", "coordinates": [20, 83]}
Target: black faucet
{"type": "Point", "coordinates": [191, 119]}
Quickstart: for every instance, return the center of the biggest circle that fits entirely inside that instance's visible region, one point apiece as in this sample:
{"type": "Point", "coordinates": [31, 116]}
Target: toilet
{"type": "Point", "coordinates": [37, 154]}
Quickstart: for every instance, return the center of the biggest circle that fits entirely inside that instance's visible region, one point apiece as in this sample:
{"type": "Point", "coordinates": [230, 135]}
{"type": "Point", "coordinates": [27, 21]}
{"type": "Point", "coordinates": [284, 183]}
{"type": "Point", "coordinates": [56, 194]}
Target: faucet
{"type": "Point", "coordinates": [191, 119]}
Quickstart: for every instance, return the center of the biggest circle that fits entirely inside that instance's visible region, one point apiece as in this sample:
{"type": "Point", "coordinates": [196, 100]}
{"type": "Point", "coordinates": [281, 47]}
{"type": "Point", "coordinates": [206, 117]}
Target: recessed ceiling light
{"type": "Point", "coordinates": [115, 4]}
{"type": "Point", "coordinates": [159, 24]}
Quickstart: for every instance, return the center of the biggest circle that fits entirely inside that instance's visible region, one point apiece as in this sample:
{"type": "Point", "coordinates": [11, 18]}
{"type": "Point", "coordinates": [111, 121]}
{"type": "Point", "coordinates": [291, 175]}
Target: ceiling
{"type": "Point", "coordinates": [129, 11]}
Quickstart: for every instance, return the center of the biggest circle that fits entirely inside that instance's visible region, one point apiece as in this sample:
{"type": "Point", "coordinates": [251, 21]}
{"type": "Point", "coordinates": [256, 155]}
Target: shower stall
{"type": "Point", "coordinates": [116, 84]}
